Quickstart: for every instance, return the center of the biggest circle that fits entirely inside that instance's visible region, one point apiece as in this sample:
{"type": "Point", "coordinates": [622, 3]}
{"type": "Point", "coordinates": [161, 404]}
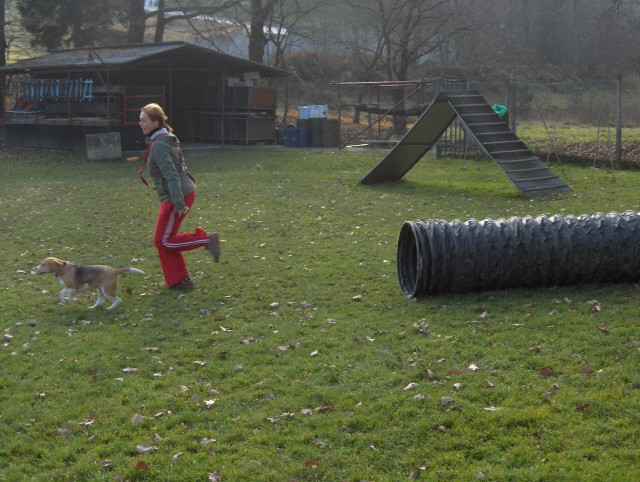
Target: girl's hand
{"type": "Point", "coordinates": [184, 211]}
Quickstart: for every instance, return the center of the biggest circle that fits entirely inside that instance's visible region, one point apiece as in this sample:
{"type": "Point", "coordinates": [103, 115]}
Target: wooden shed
{"type": "Point", "coordinates": [55, 100]}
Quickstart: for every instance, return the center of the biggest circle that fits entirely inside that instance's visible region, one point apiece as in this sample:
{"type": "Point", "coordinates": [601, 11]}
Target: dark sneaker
{"type": "Point", "coordinates": [184, 285]}
{"type": "Point", "coordinates": [214, 246]}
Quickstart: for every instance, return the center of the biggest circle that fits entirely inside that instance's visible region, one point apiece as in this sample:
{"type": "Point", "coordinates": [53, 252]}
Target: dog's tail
{"type": "Point", "coordinates": [120, 271]}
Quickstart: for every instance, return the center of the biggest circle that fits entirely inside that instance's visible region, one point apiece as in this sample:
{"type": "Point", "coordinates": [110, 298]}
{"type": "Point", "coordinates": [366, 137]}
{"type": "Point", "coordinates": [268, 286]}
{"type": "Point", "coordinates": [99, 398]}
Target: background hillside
{"type": "Point", "coordinates": [554, 62]}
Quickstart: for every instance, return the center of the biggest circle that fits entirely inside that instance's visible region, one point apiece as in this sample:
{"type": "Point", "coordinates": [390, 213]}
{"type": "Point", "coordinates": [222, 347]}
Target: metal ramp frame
{"type": "Point", "coordinates": [527, 172]}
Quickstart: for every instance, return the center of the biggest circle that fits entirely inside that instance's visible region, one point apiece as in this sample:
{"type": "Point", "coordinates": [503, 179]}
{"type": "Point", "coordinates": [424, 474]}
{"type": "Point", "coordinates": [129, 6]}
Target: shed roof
{"type": "Point", "coordinates": [177, 54]}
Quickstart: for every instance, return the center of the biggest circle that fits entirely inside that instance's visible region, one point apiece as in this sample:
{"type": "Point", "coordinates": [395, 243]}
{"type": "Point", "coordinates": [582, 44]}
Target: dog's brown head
{"type": "Point", "coordinates": [50, 265]}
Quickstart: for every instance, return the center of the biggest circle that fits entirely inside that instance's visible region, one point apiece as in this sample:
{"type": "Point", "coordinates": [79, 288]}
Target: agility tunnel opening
{"type": "Point", "coordinates": [437, 256]}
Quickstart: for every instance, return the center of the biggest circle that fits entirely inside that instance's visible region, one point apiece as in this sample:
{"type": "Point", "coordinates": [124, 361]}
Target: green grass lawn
{"type": "Point", "coordinates": [297, 358]}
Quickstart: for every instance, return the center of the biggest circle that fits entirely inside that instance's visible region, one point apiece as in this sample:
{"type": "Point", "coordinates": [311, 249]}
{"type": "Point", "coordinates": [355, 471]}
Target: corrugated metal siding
{"type": "Point", "coordinates": [109, 57]}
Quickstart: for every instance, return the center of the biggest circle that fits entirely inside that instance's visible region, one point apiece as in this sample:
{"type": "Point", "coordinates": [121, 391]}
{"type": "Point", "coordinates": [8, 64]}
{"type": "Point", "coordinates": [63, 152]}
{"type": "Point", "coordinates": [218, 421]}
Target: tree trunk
{"type": "Point", "coordinates": [137, 19]}
{"type": "Point", "coordinates": [3, 41]}
{"type": "Point", "coordinates": [399, 121]}
{"type": "Point", "coordinates": [256, 35]}
{"type": "Point", "coordinates": [160, 22]}
{"type": "Point", "coordinates": [356, 115]}
{"type": "Point", "coordinates": [3, 53]}
{"type": "Point", "coordinates": [77, 37]}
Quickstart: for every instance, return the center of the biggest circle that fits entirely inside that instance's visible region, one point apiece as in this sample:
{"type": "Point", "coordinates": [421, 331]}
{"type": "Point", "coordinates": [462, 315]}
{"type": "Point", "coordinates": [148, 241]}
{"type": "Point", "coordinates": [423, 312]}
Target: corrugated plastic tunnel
{"type": "Point", "coordinates": [436, 256]}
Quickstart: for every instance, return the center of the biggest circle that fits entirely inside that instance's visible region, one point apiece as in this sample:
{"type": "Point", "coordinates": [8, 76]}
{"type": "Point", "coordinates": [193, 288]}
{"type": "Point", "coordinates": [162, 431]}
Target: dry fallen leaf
{"type": "Point", "coordinates": [176, 457]}
{"type": "Point", "coordinates": [146, 449]}
{"type": "Point", "coordinates": [444, 401]}
{"type": "Point", "coordinates": [327, 407]}
{"type": "Point", "coordinates": [594, 306]}
{"type": "Point", "coordinates": [586, 370]}
{"type": "Point", "coordinates": [491, 409]}
{"type": "Point", "coordinates": [546, 371]}
{"type": "Point", "coordinates": [411, 386]}
{"type": "Point", "coordinates": [215, 476]}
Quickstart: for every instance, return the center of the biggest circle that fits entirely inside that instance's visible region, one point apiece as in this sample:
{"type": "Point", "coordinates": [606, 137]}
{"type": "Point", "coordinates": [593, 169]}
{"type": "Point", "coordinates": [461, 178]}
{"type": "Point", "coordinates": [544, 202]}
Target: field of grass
{"type": "Point", "coordinates": [297, 358]}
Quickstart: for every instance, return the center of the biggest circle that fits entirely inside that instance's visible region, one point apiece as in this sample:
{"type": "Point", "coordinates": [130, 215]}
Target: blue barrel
{"type": "Point", "coordinates": [303, 138]}
{"type": "Point", "coordinates": [290, 137]}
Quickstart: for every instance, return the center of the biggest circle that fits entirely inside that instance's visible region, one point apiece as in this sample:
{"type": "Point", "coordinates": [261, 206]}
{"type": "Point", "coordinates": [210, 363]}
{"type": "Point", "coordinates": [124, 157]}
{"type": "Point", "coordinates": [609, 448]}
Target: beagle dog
{"type": "Point", "coordinates": [76, 278]}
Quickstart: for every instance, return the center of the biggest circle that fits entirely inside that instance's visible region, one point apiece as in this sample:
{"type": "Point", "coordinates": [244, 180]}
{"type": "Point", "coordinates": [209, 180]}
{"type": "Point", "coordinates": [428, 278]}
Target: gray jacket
{"type": "Point", "coordinates": [168, 171]}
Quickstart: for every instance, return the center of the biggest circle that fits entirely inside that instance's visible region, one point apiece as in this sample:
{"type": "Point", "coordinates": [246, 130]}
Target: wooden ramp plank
{"type": "Point", "coordinates": [527, 172]}
{"type": "Point", "coordinates": [415, 144]}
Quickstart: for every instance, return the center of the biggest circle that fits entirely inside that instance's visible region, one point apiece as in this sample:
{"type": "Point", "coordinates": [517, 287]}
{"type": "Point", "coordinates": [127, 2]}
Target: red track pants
{"type": "Point", "coordinates": [170, 244]}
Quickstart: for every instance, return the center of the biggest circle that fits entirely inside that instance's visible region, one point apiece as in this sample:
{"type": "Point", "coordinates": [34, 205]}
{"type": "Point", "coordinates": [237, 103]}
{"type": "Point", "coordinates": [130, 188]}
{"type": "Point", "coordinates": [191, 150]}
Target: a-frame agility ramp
{"type": "Point", "coordinates": [529, 174]}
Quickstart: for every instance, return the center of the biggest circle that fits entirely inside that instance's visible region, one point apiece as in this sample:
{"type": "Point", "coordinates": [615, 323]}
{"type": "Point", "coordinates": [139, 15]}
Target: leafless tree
{"type": "Point", "coordinates": [168, 12]}
{"type": "Point", "coordinates": [137, 18]}
{"type": "Point", "coordinates": [3, 41]}
{"type": "Point", "coordinates": [408, 32]}
{"type": "Point", "coordinates": [285, 26]}
{"type": "Point", "coordinates": [275, 23]}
